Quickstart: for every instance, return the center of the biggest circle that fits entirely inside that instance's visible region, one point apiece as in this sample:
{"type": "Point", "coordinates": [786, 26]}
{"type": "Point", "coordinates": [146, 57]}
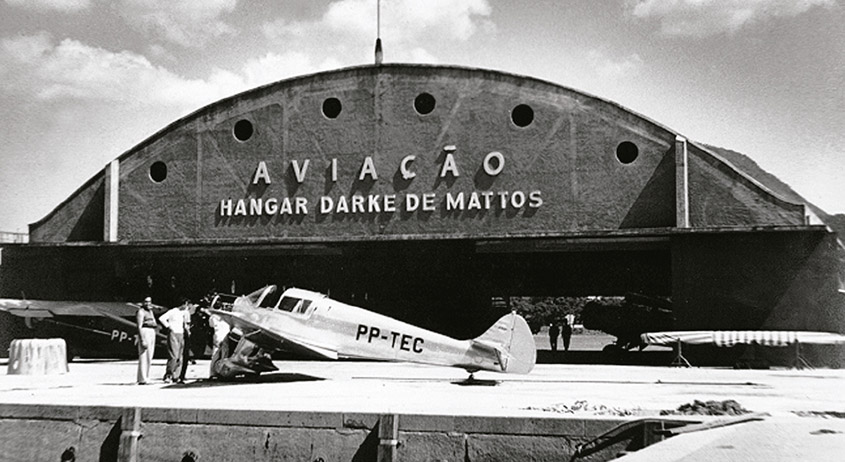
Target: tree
{"type": "Point", "coordinates": [541, 311]}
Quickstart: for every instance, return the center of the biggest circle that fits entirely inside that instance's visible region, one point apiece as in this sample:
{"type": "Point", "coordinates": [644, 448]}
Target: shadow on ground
{"type": "Point", "coordinates": [274, 377]}
{"type": "Point", "coordinates": [632, 358]}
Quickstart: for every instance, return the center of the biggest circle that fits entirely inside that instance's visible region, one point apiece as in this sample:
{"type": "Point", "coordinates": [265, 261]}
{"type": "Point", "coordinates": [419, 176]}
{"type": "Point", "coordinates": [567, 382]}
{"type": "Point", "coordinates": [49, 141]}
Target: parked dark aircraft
{"type": "Point", "coordinates": [627, 321]}
{"type": "Point", "coordinates": [90, 329]}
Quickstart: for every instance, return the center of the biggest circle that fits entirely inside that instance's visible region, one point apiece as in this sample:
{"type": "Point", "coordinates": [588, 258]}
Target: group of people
{"type": "Point", "coordinates": [177, 324]}
{"type": "Point", "coordinates": [562, 330]}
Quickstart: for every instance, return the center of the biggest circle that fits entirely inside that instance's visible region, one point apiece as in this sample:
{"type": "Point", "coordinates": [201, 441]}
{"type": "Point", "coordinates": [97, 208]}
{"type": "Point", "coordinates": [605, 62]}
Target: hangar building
{"type": "Point", "coordinates": [424, 192]}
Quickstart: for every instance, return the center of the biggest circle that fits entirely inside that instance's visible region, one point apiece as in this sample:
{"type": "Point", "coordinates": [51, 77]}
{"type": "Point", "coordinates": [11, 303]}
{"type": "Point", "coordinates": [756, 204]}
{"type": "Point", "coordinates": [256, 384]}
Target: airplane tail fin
{"type": "Point", "coordinates": [511, 337]}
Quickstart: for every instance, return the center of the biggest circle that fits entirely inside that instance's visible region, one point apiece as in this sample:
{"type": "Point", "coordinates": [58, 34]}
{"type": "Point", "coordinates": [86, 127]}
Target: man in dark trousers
{"type": "Point", "coordinates": [554, 332]}
{"type": "Point", "coordinates": [566, 333]}
{"type": "Point", "coordinates": [186, 348]}
{"type": "Point", "coordinates": [174, 321]}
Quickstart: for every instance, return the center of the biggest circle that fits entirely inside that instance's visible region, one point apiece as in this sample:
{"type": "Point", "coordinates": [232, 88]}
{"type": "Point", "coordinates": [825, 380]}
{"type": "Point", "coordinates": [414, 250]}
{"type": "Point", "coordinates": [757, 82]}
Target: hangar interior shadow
{"type": "Point", "coordinates": [445, 286]}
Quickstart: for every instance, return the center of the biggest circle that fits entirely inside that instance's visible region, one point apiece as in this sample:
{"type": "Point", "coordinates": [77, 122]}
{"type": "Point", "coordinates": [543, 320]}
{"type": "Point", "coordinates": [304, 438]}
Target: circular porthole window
{"type": "Point", "coordinates": [627, 152]}
{"type": "Point", "coordinates": [522, 115]}
{"type": "Point", "coordinates": [243, 130]}
{"type": "Point", "coordinates": [424, 103]}
{"type": "Point", "coordinates": [158, 171]}
{"type": "Point", "coordinates": [332, 108]}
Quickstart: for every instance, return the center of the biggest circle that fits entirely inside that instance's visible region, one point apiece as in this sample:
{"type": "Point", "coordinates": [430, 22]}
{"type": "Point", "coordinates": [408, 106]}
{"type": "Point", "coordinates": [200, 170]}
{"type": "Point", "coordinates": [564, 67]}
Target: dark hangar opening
{"type": "Point", "coordinates": [447, 286]}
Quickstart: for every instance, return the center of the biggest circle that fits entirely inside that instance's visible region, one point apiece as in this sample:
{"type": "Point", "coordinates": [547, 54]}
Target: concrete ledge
{"type": "Point", "coordinates": [252, 418]}
{"type": "Point", "coordinates": [229, 434]}
{"type": "Point", "coordinates": [551, 426]}
{"type": "Point", "coordinates": [58, 412]}
{"type": "Point", "coordinates": [260, 418]}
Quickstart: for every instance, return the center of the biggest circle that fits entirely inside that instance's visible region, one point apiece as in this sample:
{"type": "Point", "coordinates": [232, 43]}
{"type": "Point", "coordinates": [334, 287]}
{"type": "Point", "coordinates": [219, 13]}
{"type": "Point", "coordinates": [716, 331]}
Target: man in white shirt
{"type": "Point", "coordinates": [174, 321]}
{"type": "Point", "coordinates": [219, 343]}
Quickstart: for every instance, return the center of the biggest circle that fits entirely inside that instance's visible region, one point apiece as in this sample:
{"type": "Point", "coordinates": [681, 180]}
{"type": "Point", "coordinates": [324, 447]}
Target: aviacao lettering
{"type": "Point", "coordinates": [493, 164]}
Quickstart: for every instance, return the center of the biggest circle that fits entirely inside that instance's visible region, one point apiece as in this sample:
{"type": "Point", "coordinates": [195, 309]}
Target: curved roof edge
{"type": "Point", "coordinates": [67, 200]}
{"type": "Point", "coordinates": [746, 176]}
{"type": "Point", "coordinates": [362, 69]}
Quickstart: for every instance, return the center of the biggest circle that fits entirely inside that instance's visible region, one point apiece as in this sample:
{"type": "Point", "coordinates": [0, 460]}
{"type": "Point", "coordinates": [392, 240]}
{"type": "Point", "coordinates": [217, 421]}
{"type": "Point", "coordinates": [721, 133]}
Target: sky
{"type": "Point", "coordinates": [83, 81]}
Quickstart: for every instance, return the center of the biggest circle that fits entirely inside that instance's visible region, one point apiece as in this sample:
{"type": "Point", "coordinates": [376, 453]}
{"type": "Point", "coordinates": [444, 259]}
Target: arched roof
{"type": "Point", "coordinates": [563, 171]}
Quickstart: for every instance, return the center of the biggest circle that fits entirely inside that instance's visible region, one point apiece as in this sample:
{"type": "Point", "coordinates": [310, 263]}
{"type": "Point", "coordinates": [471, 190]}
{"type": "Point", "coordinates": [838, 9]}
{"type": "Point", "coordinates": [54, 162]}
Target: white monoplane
{"type": "Point", "coordinates": [311, 324]}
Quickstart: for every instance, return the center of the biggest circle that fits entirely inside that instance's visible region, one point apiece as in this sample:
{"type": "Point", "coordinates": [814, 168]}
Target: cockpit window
{"type": "Point", "coordinates": [271, 299]}
{"type": "Point", "coordinates": [257, 297]}
{"type": "Point", "coordinates": [294, 305]}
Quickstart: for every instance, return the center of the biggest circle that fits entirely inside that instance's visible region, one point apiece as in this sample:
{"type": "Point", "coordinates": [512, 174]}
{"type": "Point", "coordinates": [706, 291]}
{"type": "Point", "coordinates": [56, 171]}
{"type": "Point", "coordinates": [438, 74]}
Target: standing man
{"type": "Point", "coordinates": [146, 339]}
{"type": "Point", "coordinates": [554, 332]}
{"type": "Point", "coordinates": [221, 331]}
{"type": "Point", "coordinates": [219, 342]}
{"type": "Point", "coordinates": [186, 348]}
{"type": "Point", "coordinates": [566, 334]}
{"type": "Point", "coordinates": [174, 321]}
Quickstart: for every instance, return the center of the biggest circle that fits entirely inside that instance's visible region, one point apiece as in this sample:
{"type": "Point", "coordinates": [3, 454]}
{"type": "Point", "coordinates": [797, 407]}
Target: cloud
{"type": "Point", "coordinates": [408, 20]}
{"type": "Point", "coordinates": [71, 70]}
{"type": "Point", "coordinates": [57, 5]}
{"type": "Point", "coordinates": [405, 24]}
{"type": "Point", "coordinates": [161, 53]}
{"type": "Point", "coordinates": [701, 18]}
{"type": "Point", "coordinates": [417, 55]}
{"type": "Point", "coordinates": [38, 68]}
{"type": "Point", "coordinates": [27, 48]}
{"type": "Point", "coordinates": [614, 68]}
{"type": "Point", "coordinates": [185, 22]}
{"type": "Point", "coordinates": [272, 67]}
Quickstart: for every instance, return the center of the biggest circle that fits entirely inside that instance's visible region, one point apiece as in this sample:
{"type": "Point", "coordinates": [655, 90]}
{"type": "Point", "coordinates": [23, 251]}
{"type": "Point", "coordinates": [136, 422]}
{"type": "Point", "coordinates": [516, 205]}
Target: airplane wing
{"type": "Point", "coordinates": [49, 308]}
{"type": "Point", "coordinates": [128, 324]}
{"type": "Point", "coordinates": [269, 340]}
{"type": "Point", "coordinates": [119, 312]}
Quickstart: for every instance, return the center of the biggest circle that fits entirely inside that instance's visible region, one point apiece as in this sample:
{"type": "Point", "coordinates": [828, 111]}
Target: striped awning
{"type": "Point", "coordinates": [728, 338]}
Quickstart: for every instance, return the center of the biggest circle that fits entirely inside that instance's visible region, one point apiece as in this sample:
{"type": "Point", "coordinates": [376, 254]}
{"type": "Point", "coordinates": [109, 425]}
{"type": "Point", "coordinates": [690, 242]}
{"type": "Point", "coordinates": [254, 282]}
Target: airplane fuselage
{"type": "Point", "coordinates": [343, 331]}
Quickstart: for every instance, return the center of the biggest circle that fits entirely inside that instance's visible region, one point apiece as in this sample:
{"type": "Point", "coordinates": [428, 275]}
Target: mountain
{"type": "Point", "coordinates": [746, 165]}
